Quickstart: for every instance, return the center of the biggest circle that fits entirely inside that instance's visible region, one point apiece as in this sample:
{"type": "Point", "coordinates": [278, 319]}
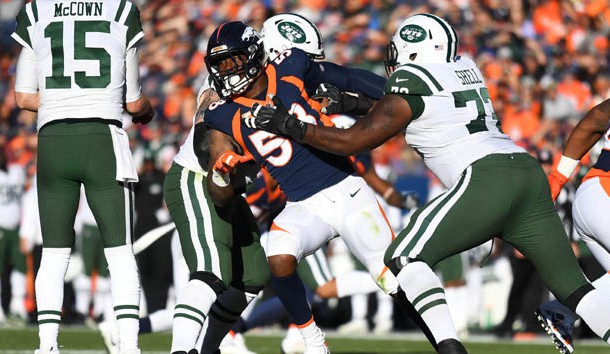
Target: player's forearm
{"type": "Point", "coordinates": [28, 101]}
{"type": "Point", "coordinates": [588, 131]}
{"type": "Point", "coordinates": [331, 139]}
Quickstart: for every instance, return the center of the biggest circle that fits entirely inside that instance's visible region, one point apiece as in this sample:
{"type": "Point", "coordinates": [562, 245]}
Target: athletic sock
{"type": "Point", "coordinates": [102, 300]}
{"type": "Point", "coordinates": [603, 283]}
{"type": "Point", "coordinates": [359, 306]}
{"type": "Point", "coordinates": [291, 291]}
{"type": "Point", "coordinates": [425, 292]}
{"type": "Point", "coordinates": [189, 314]}
{"type": "Point", "coordinates": [17, 305]}
{"type": "Point", "coordinates": [355, 282]}
{"type": "Point", "coordinates": [161, 320]}
{"type": "Point", "coordinates": [49, 286]}
{"type": "Point", "coordinates": [594, 309]}
{"type": "Point", "coordinates": [125, 290]}
{"type": "Point", "coordinates": [457, 298]}
{"type": "Point", "coordinates": [224, 313]}
{"type": "Point", "coordinates": [82, 294]}
{"type": "Point", "coordinates": [385, 307]}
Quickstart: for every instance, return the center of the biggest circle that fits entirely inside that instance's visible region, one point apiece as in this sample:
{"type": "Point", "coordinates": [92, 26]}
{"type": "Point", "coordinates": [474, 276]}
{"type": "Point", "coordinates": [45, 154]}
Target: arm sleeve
{"type": "Point", "coordinates": [132, 76]}
{"type": "Point", "coordinates": [25, 80]}
{"type": "Point", "coordinates": [346, 79]}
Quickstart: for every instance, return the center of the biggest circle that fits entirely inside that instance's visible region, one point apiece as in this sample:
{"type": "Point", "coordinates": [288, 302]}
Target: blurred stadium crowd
{"type": "Point", "coordinates": [545, 63]}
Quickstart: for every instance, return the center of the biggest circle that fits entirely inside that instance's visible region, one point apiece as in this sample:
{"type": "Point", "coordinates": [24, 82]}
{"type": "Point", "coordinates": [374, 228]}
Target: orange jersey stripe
{"type": "Point", "coordinates": [274, 227]}
{"type": "Point", "coordinates": [236, 127]}
{"type": "Point", "coordinates": [604, 178]}
{"type": "Point", "coordinates": [386, 219]}
{"type": "Point", "coordinates": [271, 90]}
{"type": "Point", "coordinates": [251, 198]}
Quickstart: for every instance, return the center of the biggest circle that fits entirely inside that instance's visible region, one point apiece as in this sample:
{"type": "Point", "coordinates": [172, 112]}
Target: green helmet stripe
{"type": "Point", "coordinates": [450, 40]}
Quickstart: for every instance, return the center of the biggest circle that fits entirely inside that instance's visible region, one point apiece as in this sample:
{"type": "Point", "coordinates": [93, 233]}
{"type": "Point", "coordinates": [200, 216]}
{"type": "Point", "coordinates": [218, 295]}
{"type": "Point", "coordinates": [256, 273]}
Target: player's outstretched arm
{"type": "Point", "coordinates": [388, 117]}
{"type": "Point", "coordinates": [588, 131]}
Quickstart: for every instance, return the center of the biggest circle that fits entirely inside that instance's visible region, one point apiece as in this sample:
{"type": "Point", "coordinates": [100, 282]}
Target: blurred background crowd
{"type": "Point", "coordinates": [545, 63]}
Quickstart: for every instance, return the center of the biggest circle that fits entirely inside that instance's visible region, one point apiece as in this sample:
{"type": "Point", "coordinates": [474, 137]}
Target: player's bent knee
{"type": "Point", "coordinates": [282, 265]}
{"type": "Point", "coordinates": [418, 276]}
{"type": "Point", "coordinates": [574, 298]}
{"type": "Point", "coordinates": [210, 279]}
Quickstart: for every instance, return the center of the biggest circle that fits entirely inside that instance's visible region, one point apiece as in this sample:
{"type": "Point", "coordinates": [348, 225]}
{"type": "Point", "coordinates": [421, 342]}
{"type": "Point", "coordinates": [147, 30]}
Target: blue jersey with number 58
{"type": "Point", "coordinates": [300, 170]}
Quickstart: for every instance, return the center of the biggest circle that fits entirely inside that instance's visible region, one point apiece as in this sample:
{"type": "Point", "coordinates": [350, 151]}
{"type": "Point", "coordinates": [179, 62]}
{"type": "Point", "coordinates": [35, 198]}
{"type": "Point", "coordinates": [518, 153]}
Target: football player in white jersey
{"type": "Point", "coordinates": [78, 69]}
{"type": "Point", "coordinates": [590, 208]}
{"type": "Point", "coordinates": [12, 186]}
{"type": "Point", "coordinates": [494, 187]}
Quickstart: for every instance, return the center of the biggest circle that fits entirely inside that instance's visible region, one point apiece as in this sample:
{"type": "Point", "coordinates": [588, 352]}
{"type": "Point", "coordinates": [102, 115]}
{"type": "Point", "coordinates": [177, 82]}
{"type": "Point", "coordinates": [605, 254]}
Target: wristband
{"type": "Point", "coordinates": [567, 165]}
{"type": "Point", "coordinates": [388, 192]}
{"type": "Point", "coordinates": [220, 179]}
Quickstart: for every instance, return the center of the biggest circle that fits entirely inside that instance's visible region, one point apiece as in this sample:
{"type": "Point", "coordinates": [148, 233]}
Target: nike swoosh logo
{"type": "Point", "coordinates": [401, 80]}
{"type": "Point", "coordinates": [354, 194]}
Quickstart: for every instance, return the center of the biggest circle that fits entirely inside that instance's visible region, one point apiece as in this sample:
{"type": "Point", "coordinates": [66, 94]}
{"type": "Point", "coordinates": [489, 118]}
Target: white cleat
{"type": "Point", "coordinates": [293, 342]}
{"type": "Point", "coordinates": [234, 343]}
{"type": "Point", "coordinates": [383, 327]}
{"type": "Point", "coordinates": [110, 334]}
{"type": "Point", "coordinates": [354, 327]}
{"type": "Point", "coordinates": [316, 344]}
{"type": "Point", "coordinates": [51, 350]}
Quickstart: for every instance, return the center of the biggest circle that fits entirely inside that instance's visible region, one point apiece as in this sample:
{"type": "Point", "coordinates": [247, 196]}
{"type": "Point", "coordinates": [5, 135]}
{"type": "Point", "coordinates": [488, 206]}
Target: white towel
{"type": "Point", "coordinates": [125, 168]}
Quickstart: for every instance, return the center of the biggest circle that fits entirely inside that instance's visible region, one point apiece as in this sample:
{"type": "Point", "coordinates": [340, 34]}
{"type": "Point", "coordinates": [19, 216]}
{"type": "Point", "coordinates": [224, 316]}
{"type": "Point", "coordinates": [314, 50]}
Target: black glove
{"type": "Point", "coordinates": [276, 119]}
{"type": "Point", "coordinates": [342, 102]}
{"type": "Point", "coordinates": [409, 200]}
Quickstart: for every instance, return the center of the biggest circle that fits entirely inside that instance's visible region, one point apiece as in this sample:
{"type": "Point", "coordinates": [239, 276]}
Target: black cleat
{"type": "Point", "coordinates": [451, 346]}
{"type": "Point", "coordinates": [558, 321]}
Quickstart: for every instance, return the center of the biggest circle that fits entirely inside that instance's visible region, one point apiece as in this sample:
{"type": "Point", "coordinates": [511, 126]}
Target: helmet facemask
{"type": "Point", "coordinates": [243, 69]}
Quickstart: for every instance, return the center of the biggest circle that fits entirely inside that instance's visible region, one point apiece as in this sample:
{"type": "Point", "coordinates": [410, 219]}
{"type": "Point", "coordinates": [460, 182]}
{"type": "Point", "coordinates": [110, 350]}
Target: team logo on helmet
{"type": "Point", "coordinates": [412, 33]}
{"type": "Point", "coordinates": [292, 32]}
{"type": "Point", "coordinates": [248, 34]}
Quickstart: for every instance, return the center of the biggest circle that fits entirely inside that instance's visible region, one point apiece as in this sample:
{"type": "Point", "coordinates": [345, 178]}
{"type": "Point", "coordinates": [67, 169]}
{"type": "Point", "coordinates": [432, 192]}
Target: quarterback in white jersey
{"type": "Point", "coordinates": [494, 187]}
{"type": "Point", "coordinates": [78, 69]}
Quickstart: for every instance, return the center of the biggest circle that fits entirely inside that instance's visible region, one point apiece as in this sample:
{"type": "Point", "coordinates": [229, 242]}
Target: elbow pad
{"type": "Point", "coordinates": [200, 145]}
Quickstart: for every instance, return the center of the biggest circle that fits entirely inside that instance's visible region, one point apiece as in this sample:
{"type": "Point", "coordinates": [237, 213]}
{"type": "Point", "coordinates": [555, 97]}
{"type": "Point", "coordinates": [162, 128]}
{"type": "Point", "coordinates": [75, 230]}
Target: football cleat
{"type": "Point", "coordinates": [51, 350]}
{"type": "Point", "coordinates": [110, 334]}
{"type": "Point", "coordinates": [316, 344]}
{"type": "Point", "coordinates": [558, 321]}
{"type": "Point", "coordinates": [293, 343]}
{"type": "Point", "coordinates": [234, 343]}
{"type": "Point", "coordinates": [354, 327]}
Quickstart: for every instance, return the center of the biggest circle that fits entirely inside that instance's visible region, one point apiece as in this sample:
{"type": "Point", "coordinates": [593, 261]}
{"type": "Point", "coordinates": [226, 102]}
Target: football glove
{"type": "Point", "coordinates": [409, 200]}
{"type": "Point", "coordinates": [227, 162]}
{"type": "Point", "coordinates": [275, 119]}
{"type": "Point", "coordinates": [342, 102]}
{"type": "Point", "coordinates": [556, 180]}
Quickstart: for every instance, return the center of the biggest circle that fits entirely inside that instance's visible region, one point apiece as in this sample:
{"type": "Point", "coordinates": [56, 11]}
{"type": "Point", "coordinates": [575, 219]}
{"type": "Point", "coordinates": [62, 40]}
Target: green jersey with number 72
{"type": "Point", "coordinates": [453, 121]}
{"type": "Point", "coordinates": [81, 49]}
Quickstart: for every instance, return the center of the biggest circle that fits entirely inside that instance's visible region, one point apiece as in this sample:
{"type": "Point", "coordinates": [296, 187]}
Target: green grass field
{"type": "Point", "coordinates": [86, 341]}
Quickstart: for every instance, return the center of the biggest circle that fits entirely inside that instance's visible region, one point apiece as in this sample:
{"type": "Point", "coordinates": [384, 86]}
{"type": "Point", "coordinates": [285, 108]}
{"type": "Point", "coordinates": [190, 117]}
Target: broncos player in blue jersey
{"type": "Point", "coordinates": [325, 197]}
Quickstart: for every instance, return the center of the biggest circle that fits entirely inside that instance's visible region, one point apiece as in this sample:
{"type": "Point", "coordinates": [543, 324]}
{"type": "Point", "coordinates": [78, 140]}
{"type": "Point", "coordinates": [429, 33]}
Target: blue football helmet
{"type": "Point", "coordinates": [235, 57]}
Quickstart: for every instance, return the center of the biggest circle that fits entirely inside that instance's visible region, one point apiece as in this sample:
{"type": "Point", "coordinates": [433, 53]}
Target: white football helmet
{"type": "Point", "coordinates": [285, 31]}
{"type": "Point", "coordinates": [422, 38]}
